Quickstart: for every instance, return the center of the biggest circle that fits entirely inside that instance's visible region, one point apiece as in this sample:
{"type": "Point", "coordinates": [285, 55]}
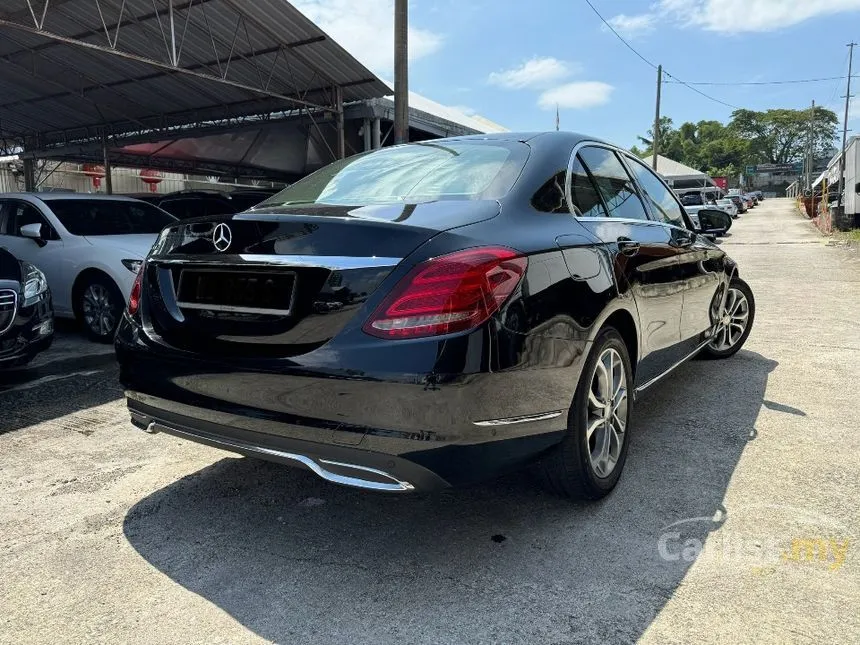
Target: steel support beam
{"type": "Point", "coordinates": [365, 131]}
{"type": "Point", "coordinates": [376, 134]}
{"type": "Point", "coordinates": [29, 175]}
{"type": "Point", "coordinates": [338, 115]}
{"type": "Point", "coordinates": [106, 159]}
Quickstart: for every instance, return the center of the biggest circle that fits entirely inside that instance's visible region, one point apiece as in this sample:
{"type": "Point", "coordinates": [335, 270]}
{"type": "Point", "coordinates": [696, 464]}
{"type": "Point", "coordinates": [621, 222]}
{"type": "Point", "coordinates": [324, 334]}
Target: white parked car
{"type": "Point", "coordinates": [89, 247]}
{"type": "Point", "coordinates": [728, 205]}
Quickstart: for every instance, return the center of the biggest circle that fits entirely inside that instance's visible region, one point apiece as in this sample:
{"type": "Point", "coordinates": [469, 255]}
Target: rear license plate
{"type": "Point", "coordinates": [236, 291]}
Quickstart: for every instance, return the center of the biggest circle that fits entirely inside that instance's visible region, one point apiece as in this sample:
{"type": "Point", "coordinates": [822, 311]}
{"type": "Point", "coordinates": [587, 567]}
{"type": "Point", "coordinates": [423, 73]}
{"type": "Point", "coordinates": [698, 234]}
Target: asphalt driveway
{"type": "Point", "coordinates": [737, 518]}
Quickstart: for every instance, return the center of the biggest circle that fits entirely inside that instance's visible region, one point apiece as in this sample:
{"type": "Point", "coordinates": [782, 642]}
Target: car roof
{"type": "Point", "coordinates": [48, 197]}
{"type": "Point", "coordinates": [550, 137]}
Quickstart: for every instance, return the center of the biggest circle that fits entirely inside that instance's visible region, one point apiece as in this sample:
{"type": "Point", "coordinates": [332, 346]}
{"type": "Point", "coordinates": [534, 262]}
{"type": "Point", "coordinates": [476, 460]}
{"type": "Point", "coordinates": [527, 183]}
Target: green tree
{"type": "Point", "coordinates": [782, 136]}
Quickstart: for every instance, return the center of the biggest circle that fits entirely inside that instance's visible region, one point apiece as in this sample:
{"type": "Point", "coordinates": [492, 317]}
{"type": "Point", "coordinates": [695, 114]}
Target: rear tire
{"type": "Point", "coordinates": [98, 307]}
{"type": "Point", "coordinates": [588, 462]}
{"type": "Point", "coordinates": [737, 319]}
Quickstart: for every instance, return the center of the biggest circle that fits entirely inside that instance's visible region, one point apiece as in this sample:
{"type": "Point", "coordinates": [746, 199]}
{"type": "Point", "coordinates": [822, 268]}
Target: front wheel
{"type": "Point", "coordinates": [99, 307]}
{"type": "Point", "coordinates": [735, 322]}
{"type": "Point", "coordinates": [588, 462]}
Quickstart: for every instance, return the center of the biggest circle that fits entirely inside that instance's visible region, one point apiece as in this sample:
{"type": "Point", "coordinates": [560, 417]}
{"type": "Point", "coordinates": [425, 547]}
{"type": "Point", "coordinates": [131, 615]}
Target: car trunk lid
{"type": "Point", "coordinates": [280, 282]}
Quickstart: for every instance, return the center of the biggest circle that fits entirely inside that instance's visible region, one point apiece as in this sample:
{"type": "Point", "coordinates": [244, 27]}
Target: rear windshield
{"type": "Point", "coordinates": [412, 173]}
{"type": "Point", "coordinates": [108, 217]}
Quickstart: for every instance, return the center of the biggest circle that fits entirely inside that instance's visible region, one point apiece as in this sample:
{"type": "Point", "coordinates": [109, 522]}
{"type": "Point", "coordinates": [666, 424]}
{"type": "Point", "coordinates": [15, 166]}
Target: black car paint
{"type": "Point", "coordinates": [20, 339]}
{"type": "Point", "coordinates": [410, 407]}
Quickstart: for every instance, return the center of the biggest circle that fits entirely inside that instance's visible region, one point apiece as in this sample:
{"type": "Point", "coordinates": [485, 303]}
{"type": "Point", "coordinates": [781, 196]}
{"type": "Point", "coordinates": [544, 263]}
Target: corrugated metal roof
{"type": "Point", "coordinates": [86, 63]}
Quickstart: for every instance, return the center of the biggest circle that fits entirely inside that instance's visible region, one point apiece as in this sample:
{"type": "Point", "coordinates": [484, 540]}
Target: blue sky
{"type": "Point", "coordinates": [512, 61]}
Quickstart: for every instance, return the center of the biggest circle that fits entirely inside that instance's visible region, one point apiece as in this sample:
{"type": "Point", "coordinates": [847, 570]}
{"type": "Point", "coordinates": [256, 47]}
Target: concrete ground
{"type": "Point", "coordinates": [737, 518]}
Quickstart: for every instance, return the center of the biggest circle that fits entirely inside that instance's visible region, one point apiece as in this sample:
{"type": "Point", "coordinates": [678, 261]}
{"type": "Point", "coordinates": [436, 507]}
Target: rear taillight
{"type": "Point", "coordinates": [448, 294]}
{"type": "Point", "coordinates": [134, 297]}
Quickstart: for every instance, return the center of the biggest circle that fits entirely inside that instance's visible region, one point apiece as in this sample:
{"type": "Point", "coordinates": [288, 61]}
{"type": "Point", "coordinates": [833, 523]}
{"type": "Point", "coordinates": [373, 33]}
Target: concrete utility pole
{"type": "Point", "coordinates": [656, 143]}
{"type": "Point", "coordinates": [848, 97]}
{"type": "Point", "coordinates": [810, 144]}
{"type": "Point", "coordinates": [401, 71]}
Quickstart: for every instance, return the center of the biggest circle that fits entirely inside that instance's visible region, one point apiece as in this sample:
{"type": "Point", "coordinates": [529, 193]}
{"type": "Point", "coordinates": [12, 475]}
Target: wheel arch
{"type": "Point", "coordinates": [624, 322]}
{"type": "Point", "coordinates": [82, 280]}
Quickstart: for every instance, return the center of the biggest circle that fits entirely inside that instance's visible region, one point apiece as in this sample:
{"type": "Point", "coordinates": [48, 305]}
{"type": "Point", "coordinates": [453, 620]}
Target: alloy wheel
{"type": "Point", "coordinates": [733, 321]}
{"type": "Point", "coordinates": [99, 310]}
{"type": "Point", "coordinates": [607, 413]}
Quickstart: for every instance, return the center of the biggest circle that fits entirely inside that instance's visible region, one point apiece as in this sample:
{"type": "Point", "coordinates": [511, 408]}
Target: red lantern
{"type": "Point", "coordinates": [95, 173]}
{"type": "Point", "coordinates": [151, 178]}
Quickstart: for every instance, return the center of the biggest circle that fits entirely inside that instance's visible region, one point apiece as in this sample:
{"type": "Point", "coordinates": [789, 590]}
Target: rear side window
{"type": "Point", "coordinates": [550, 197]}
{"type": "Point", "coordinates": [415, 173]}
{"type": "Point", "coordinates": [613, 183]}
{"type": "Point", "coordinates": [663, 202]}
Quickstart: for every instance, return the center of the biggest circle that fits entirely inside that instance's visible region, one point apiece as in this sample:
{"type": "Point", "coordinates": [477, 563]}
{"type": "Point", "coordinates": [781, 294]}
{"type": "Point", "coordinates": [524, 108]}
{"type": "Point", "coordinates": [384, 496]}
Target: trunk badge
{"type": "Point", "coordinates": [222, 236]}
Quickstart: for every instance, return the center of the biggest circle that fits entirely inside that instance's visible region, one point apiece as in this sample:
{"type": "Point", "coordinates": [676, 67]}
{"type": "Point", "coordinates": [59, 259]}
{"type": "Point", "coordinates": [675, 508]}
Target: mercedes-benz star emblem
{"type": "Point", "coordinates": [222, 236]}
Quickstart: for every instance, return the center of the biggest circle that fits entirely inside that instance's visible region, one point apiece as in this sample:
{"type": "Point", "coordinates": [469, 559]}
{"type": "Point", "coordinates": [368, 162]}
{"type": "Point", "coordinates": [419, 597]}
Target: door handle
{"type": "Point", "coordinates": [628, 247]}
{"type": "Point", "coordinates": [683, 241]}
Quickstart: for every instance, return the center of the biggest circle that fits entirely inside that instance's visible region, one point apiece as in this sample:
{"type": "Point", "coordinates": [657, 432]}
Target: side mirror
{"type": "Point", "coordinates": [34, 232]}
{"type": "Point", "coordinates": [714, 221]}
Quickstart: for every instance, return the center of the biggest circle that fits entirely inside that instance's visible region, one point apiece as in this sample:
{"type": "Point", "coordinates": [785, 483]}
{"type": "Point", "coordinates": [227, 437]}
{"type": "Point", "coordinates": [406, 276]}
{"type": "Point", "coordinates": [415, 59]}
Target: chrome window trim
{"type": "Point", "coordinates": [632, 159]}
{"type": "Point", "coordinates": [568, 182]}
{"type": "Point", "coordinates": [568, 186]}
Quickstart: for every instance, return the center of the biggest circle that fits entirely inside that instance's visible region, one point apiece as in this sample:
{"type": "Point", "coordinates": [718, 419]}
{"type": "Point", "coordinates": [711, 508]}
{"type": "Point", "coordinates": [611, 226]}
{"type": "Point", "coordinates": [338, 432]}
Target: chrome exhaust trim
{"type": "Point", "coordinates": [395, 485]}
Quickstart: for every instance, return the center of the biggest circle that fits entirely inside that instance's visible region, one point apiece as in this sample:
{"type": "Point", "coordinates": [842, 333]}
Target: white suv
{"type": "Point", "coordinates": [90, 248]}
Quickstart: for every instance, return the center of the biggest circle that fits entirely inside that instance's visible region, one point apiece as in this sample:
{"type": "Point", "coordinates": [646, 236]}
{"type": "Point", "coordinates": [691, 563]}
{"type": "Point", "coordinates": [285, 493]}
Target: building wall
{"type": "Point", "coordinates": [70, 176]}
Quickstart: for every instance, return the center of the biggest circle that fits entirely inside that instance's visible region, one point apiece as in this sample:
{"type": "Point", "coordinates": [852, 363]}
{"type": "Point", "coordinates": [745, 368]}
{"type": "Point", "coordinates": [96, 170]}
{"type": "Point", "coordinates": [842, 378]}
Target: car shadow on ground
{"type": "Point", "coordinates": [295, 559]}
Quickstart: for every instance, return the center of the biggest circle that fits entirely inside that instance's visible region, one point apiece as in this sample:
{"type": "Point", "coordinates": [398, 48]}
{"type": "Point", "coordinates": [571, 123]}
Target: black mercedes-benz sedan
{"type": "Point", "coordinates": [432, 314]}
{"type": "Point", "coordinates": [26, 312]}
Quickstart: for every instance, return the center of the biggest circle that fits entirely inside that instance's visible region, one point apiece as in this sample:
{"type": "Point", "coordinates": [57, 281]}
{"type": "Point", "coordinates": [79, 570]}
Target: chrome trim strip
{"type": "Point", "coordinates": [396, 487]}
{"type": "Point", "coordinates": [528, 418]}
{"type": "Point", "coordinates": [332, 262]}
{"type": "Point", "coordinates": [648, 384]}
{"type": "Point", "coordinates": [6, 294]}
{"type": "Point", "coordinates": [232, 309]}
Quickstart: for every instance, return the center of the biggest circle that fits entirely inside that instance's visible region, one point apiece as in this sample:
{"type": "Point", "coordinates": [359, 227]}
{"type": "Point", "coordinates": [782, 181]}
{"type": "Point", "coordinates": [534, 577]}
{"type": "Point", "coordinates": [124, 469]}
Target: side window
{"type": "Point", "coordinates": [20, 214]}
{"type": "Point", "coordinates": [549, 198]}
{"type": "Point", "coordinates": [585, 195]}
{"type": "Point", "coordinates": [5, 209]}
{"type": "Point", "coordinates": [613, 182]}
{"type": "Point", "coordinates": [663, 202]}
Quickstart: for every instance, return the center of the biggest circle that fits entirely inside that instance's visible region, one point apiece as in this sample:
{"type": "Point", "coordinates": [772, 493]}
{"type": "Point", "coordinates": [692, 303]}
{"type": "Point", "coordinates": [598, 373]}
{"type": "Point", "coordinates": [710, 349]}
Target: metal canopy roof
{"type": "Point", "coordinates": [71, 70]}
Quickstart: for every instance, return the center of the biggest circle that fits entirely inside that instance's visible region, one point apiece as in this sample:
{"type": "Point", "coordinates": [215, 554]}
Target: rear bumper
{"type": "Point", "coordinates": [337, 464]}
{"type": "Point", "coordinates": [385, 469]}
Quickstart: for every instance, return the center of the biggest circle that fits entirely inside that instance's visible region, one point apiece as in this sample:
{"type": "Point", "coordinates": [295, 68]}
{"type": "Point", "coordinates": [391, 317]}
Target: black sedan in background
{"type": "Point", "coordinates": [26, 312]}
{"type": "Point", "coordinates": [433, 314]}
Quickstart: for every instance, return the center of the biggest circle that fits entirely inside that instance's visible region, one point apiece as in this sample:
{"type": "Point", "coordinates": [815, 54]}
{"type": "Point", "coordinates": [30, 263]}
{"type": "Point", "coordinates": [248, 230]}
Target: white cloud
{"type": "Point", "coordinates": [584, 94]}
{"type": "Point", "coordinates": [752, 15]}
{"type": "Point", "coordinates": [366, 30]}
{"type": "Point", "coordinates": [632, 26]}
{"type": "Point", "coordinates": [536, 72]}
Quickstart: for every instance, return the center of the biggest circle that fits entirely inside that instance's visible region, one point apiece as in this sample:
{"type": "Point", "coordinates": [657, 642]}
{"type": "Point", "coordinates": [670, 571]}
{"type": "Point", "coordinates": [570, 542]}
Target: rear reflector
{"type": "Point", "coordinates": [448, 294]}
